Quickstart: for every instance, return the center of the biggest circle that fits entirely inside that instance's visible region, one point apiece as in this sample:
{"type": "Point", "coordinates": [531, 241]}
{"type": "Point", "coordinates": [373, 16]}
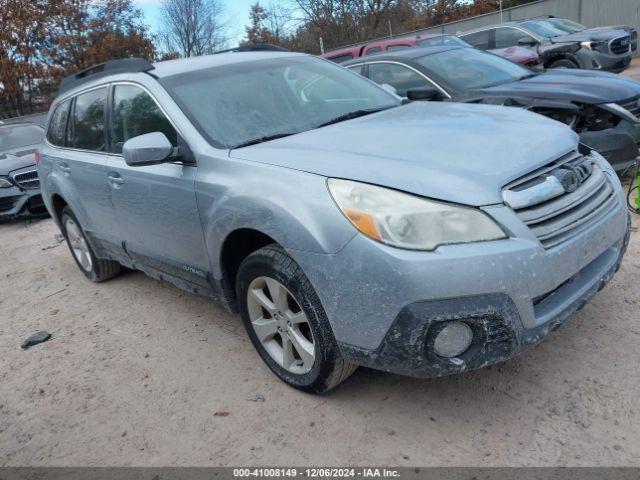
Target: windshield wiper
{"type": "Point", "coordinates": [351, 115]}
{"type": "Point", "coordinates": [265, 139]}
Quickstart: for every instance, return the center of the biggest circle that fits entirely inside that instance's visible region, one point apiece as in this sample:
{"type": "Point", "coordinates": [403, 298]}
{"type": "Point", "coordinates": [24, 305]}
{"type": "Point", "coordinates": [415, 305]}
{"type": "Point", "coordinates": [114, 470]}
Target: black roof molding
{"type": "Point", "coordinates": [255, 47]}
{"type": "Point", "coordinates": [538, 17]}
{"type": "Point", "coordinates": [110, 67]}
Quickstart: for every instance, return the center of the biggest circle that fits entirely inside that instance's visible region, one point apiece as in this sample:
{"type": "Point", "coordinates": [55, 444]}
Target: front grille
{"type": "Point", "coordinates": [27, 180]}
{"type": "Point", "coordinates": [632, 105]}
{"type": "Point", "coordinates": [620, 45]}
{"type": "Point", "coordinates": [559, 218]}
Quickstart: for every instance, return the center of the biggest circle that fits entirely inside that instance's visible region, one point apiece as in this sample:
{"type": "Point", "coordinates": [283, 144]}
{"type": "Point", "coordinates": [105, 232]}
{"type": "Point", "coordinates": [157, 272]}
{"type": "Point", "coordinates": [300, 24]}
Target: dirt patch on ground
{"type": "Point", "coordinates": [140, 373]}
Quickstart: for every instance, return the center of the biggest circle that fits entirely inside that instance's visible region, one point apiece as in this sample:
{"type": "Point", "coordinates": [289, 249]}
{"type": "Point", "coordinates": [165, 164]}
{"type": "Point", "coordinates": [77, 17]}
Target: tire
{"type": "Point", "coordinates": [563, 63]}
{"type": "Point", "coordinates": [296, 314]}
{"type": "Point", "coordinates": [95, 269]}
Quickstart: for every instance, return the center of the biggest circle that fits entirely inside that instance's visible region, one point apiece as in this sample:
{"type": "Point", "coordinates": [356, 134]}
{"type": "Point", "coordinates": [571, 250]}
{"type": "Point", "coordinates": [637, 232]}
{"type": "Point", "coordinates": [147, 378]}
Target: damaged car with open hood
{"type": "Point", "coordinates": [19, 184]}
{"type": "Point", "coordinates": [345, 227]}
{"type": "Point", "coordinates": [603, 108]}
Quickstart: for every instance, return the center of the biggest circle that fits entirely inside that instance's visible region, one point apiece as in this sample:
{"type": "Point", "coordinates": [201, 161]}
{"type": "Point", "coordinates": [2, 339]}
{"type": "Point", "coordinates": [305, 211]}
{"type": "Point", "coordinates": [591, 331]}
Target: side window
{"type": "Point", "coordinates": [135, 113]}
{"type": "Point", "coordinates": [393, 48]}
{"type": "Point", "coordinates": [58, 124]}
{"type": "Point", "coordinates": [398, 76]}
{"type": "Point", "coordinates": [356, 68]}
{"type": "Point", "coordinates": [88, 121]}
{"type": "Point", "coordinates": [373, 51]}
{"type": "Point", "coordinates": [478, 39]}
{"type": "Point", "coordinates": [508, 37]}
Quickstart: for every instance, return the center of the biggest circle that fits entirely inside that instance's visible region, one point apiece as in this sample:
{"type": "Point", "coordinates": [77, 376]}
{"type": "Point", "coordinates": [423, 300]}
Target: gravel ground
{"type": "Point", "coordinates": [141, 373]}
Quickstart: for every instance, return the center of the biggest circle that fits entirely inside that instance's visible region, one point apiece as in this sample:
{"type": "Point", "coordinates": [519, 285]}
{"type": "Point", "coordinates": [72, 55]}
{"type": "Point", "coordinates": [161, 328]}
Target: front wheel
{"type": "Point", "coordinates": [286, 322]}
{"type": "Point", "coordinates": [95, 269]}
{"type": "Point", "coordinates": [563, 63]}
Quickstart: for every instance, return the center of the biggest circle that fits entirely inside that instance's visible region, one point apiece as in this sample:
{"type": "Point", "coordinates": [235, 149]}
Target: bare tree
{"type": "Point", "coordinates": [193, 27]}
{"type": "Point", "coordinates": [273, 23]}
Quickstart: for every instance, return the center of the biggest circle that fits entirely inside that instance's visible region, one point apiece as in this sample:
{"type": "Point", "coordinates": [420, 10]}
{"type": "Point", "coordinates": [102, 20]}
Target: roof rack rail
{"type": "Point", "coordinates": [123, 65]}
{"type": "Point", "coordinates": [539, 16]}
{"type": "Point", "coordinates": [255, 47]}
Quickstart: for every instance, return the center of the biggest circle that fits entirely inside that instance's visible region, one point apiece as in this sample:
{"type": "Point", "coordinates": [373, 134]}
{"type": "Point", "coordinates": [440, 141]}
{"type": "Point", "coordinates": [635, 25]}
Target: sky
{"type": "Point", "coordinates": [236, 10]}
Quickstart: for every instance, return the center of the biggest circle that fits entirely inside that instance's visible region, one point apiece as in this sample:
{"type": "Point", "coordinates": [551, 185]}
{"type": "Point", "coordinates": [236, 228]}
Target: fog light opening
{"type": "Point", "coordinates": [453, 340]}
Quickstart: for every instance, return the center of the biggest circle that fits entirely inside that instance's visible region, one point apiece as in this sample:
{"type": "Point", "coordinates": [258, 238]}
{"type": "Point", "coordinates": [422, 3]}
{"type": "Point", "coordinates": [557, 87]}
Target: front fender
{"type": "Point", "coordinates": [292, 207]}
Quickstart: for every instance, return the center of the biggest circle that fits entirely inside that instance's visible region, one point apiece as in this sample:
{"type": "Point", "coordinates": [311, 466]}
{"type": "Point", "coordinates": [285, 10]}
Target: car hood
{"type": "Point", "coordinates": [591, 34]}
{"type": "Point", "coordinates": [449, 151]}
{"type": "Point", "coordinates": [586, 86]}
{"type": "Point", "coordinates": [11, 160]}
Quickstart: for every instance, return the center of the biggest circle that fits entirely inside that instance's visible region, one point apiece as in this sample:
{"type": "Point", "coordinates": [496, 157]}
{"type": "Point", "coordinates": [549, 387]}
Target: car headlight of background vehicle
{"type": "Point", "coordinates": [593, 45]}
{"type": "Point", "coordinates": [5, 183]}
{"type": "Point", "coordinates": [407, 221]}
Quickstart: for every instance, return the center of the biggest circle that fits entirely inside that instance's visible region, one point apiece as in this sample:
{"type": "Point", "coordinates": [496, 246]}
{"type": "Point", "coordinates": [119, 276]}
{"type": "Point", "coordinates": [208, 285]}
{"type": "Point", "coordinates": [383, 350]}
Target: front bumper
{"type": "Point", "coordinates": [383, 302]}
{"type": "Point", "coordinates": [595, 60]}
{"type": "Point", "coordinates": [494, 319]}
{"type": "Point", "coordinates": [17, 203]}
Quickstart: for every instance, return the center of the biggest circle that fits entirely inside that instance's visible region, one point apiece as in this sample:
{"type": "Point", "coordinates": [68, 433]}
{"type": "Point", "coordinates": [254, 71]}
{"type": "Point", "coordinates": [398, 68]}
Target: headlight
{"type": "Point", "coordinates": [5, 183]}
{"type": "Point", "coordinates": [592, 45]}
{"type": "Point", "coordinates": [408, 221]}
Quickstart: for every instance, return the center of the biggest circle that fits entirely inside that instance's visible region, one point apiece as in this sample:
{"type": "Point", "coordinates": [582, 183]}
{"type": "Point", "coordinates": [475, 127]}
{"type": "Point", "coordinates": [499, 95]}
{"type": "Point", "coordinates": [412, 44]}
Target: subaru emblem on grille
{"type": "Point", "coordinates": [571, 175]}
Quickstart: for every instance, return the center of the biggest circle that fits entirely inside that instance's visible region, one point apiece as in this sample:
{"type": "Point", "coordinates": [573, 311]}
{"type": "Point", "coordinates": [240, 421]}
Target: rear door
{"type": "Point", "coordinates": [156, 204]}
{"type": "Point", "coordinates": [80, 164]}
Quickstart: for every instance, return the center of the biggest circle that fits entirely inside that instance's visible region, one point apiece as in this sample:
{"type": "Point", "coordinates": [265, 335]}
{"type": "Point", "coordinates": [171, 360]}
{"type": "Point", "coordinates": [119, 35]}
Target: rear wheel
{"type": "Point", "coordinates": [95, 269]}
{"type": "Point", "coordinates": [286, 322]}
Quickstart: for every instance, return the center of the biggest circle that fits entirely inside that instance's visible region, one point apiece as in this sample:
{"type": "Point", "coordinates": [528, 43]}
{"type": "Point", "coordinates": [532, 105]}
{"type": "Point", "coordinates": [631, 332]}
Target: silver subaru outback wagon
{"type": "Point", "coordinates": [346, 228]}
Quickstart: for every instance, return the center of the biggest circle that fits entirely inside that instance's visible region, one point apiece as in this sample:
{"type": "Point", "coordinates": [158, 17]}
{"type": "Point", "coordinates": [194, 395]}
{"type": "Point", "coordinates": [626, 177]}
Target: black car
{"type": "Point", "coordinates": [603, 108]}
{"type": "Point", "coordinates": [19, 184]}
{"type": "Point", "coordinates": [562, 43]}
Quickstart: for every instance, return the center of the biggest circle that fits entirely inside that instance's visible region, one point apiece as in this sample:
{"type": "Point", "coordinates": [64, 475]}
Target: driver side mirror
{"type": "Point", "coordinates": [148, 149]}
{"type": "Point", "coordinates": [425, 93]}
{"type": "Point", "coordinates": [527, 42]}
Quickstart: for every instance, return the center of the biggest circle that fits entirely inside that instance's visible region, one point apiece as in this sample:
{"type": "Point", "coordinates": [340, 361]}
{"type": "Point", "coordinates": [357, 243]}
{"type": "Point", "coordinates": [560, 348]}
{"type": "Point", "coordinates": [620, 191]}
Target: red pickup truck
{"type": "Point", "coordinates": [520, 55]}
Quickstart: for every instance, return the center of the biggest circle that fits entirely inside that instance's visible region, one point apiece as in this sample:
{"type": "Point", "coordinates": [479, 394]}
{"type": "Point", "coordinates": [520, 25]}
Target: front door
{"type": "Point", "coordinates": [156, 204]}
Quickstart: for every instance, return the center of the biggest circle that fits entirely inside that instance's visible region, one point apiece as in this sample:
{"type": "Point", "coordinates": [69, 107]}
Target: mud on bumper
{"type": "Point", "coordinates": [498, 333]}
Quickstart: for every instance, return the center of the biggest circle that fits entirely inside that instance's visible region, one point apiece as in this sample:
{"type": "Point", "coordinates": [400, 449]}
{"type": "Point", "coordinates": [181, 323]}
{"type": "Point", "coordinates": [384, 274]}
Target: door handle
{"type": "Point", "coordinates": [115, 180]}
{"type": "Point", "coordinates": [64, 167]}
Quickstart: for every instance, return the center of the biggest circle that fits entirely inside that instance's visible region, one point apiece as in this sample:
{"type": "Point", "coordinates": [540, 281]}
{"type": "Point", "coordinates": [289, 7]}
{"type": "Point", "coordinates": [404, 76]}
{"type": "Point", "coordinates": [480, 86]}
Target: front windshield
{"type": "Point", "coordinates": [567, 25]}
{"type": "Point", "coordinates": [236, 104]}
{"type": "Point", "coordinates": [442, 41]}
{"type": "Point", "coordinates": [468, 68]}
{"type": "Point", "coordinates": [545, 28]}
{"type": "Point", "coordinates": [19, 136]}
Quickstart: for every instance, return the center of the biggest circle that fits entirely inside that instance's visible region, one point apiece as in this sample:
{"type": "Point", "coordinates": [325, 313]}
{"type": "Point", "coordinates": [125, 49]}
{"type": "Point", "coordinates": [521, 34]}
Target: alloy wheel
{"type": "Point", "coordinates": [78, 244]}
{"type": "Point", "coordinates": [281, 325]}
